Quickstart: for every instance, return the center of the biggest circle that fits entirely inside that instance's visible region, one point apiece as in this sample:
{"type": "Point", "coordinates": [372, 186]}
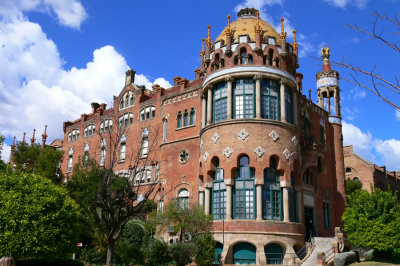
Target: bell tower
{"type": "Point", "coordinates": [328, 92]}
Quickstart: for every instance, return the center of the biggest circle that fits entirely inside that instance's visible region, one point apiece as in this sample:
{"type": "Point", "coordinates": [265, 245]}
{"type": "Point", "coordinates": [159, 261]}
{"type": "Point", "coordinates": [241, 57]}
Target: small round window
{"type": "Point", "coordinates": [183, 156]}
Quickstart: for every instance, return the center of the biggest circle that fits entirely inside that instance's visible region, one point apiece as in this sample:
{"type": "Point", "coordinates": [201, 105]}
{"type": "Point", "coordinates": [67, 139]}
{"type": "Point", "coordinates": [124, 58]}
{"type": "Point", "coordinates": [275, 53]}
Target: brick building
{"type": "Point", "coordinates": [239, 139]}
{"type": "Point", "coordinates": [357, 168]}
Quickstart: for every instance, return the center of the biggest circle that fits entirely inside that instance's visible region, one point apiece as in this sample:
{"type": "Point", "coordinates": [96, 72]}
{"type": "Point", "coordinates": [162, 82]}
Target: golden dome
{"type": "Point", "coordinates": [245, 24]}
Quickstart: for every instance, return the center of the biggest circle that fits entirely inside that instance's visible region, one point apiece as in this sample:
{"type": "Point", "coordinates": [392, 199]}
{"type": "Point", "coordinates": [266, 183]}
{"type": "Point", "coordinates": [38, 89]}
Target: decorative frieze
{"type": "Point", "coordinates": [228, 152]}
{"type": "Point", "coordinates": [215, 138]}
{"type": "Point", "coordinates": [181, 97]}
{"type": "Point", "coordinates": [184, 156]}
{"type": "Point", "coordinates": [243, 134]}
{"type": "Point", "coordinates": [274, 135]}
{"type": "Point", "coordinates": [259, 151]}
{"type": "Point", "coordinates": [286, 153]}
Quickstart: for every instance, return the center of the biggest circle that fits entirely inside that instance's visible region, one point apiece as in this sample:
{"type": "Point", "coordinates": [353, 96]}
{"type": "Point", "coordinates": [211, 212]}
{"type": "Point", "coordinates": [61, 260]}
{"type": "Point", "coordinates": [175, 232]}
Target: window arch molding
{"type": "Point", "coordinates": [127, 100]}
{"type": "Point", "coordinates": [89, 130]}
{"type": "Point", "coordinates": [73, 135]}
{"type": "Point", "coordinates": [147, 112]}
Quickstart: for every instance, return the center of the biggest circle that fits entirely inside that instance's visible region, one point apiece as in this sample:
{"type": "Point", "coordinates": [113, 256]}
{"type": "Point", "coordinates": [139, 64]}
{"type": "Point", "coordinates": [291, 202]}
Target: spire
{"type": "Point", "coordinates": [13, 144]}
{"type": "Point", "coordinates": [283, 33]}
{"type": "Point", "coordinates": [228, 31]}
{"type": "Point", "coordinates": [23, 139]}
{"type": "Point", "coordinates": [209, 41]}
{"type": "Point", "coordinates": [325, 58]}
{"type": "Point", "coordinates": [33, 137]}
{"type": "Point", "coordinates": [44, 136]}
{"type": "Point", "coordinates": [295, 44]}
{"type": "Point", "coordinates": [257, 28]}
{"type": "Point", "coordinates": [202, 47]}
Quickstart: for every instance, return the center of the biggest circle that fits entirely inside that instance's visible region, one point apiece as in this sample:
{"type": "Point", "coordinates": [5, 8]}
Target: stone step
{"type": "Point", "coordinates": [321, 244]}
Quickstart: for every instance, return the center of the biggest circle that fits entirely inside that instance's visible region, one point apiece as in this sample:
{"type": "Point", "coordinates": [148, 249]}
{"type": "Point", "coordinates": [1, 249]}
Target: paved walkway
{"type": "Point", "coordinates": [322, 244]}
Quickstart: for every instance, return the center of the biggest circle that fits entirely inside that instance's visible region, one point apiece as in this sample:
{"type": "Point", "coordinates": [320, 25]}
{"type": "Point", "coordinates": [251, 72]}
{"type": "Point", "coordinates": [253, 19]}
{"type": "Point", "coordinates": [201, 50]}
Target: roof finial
{"type": "Point", "coordinates": [44, 136]}
{"type": "Point", "coordinates": [309, 94]}
{"type": "Point", "coordinates": [228, 31]}
{"type": "Point", "coordinates": [33, 137]}
{"type": "Point", "coordinates": [13, 144]}
{"type": "Point", "coordinates": [202, 47]}
{"type": "Point", "coordinates": [209, 41]}
{"type": "Point", "coordinates": [325, 58]}
{"type": "Point", "coordinates": [283, 33]}
{"type": "Point", "coordinates": [23, 139]}
{"type": "Point", "coordinates": [257, 27]}
{"type": "Point", "coordinates": [295, 44]}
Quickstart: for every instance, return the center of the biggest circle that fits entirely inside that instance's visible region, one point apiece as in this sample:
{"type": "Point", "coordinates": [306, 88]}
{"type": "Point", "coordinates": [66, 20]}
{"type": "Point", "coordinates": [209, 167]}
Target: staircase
{"type": "Point", "coordinates": [321, 244]}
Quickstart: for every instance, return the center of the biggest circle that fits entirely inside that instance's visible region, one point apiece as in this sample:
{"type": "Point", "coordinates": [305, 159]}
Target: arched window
{"type": "Point", "coordinates": [244, 100]}
{"type": "Point", "coordinates": [274, 254]}
{"type": "Point", "coordinates": [147, 113]}
{"type": "Point", "coordinates": [102, 156]}
{"type": "Point", "coordinates": [307, 177]}
{"type": "Point", "coordinates": [165, 129]}
{"type": "Point", "coordinates": [326, 209]}
{"type": "Point", "coordinates": [270, 100]}
{"type": "Point", "coordinates": [220, 94]}
{"type": "Point", "coordinates": [216, 61]}
{"type": "Point", "coordinates": [356, 179]}
{"type": "Point", "coordinates": [270, 56]}
{"type": "Point", "coordinates": [236, 60]}
{"type": "Point", "coordinates": [145, 144]}
{"type": "Point", "coordinates": [143, 176]}
{"type": "Point", "coordinates": [243, 56]}
{"type": "Point", "coordinates": [186, 118]}
{"type": "Point", "coordinates": [183, 198]}
{"type": "Point", "coordinates": [218, 194]}
{"type": "Point", "coordinates": [192, 116]}
{"type": "Point", "coordinates": [244, 253]}
{"type": "Point", "coordinates": [244, 196]}
{"type": "Point", "coordinates": [218, 251]}
{"type": "Point", "coordinates": [73, 135]}
{"type": "Point", "coordinates": [106, 125]}
{"type": "Point", "coordinates": [90, 130]}
{"type": "Point", "coordinates": [122, 151]}
{"type": "Point", "coordinates": [126, 119]}
{"type": "Point", "coordinates": [179, 120]}
{"type": "Point", "coordinates": [288, 105]}
{"type": "Point", "coordinates": [250, 60]}
{"type": "Point", "coordinates": [348, 170]}
{"type": "Point", "coordinates": [272, 196]}
{"type": "Point", "coordinates": [128, 100]}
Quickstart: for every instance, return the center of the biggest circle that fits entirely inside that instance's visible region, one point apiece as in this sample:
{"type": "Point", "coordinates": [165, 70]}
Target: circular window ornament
{"type": "Point", "coordinates": [183, 156]}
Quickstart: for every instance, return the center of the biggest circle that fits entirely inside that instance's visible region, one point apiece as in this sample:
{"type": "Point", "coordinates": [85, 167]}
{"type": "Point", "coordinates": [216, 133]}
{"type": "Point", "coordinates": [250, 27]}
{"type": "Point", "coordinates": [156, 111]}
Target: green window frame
{"type": "Point", "coordinates": [270, 99]}
{"type": "Point", "coordinates": [244, 194]}
{"type": "Point", "coordinates": [219, 195]}
{"type": "Point", "coordinates": [274, 254]}
{"type": "Point", "coordinates": [220, 102]}
{"type": "Point", "coordinates": [244, 98]}
{"type": "Point", "coordinates": [179, 120]}
{"type": "Point", "coordinates": [244, 253]}
{"type": "Point", "coordinates": [272, 195]}
{"type": "Point", "coordinates": [288, 105]}
{"type": "Point", "coordinates": [192, 117]}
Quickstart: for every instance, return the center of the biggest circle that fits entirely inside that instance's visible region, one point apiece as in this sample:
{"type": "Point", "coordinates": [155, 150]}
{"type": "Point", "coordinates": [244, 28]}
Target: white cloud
{"type": "Point", "coordinates": [5, 153]}
{"type": "Point", "coordinates": [380, 152]}
{"type": "Point", "coordinates": [35, 89]}
{"type": "Point", "coordinates": [344, 3]}
{"type": "Point", "coordinates": [69, 13]}
{"type": "Point", "coordinates": [397, 114]}
{"type": "Point", "coordinates": [357, 93]}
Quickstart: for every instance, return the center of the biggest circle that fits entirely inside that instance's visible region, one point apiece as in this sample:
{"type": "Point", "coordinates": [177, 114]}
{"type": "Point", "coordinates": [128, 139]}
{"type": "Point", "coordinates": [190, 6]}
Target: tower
{"type": "Point", "coordinates": [328, 88]}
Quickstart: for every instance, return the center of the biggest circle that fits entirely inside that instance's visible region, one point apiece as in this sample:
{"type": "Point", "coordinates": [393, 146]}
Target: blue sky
{"type": "Point", "coordinates": [59, 55]}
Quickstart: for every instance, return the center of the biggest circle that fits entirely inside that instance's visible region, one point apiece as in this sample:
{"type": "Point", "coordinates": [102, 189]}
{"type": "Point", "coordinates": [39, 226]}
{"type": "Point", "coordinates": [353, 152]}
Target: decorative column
{"type": "Point", "coordinates": [228, 201]}
{"type": "Point", "coordinates": [229, 81]}
{"type": "Point", "coordinates": [207, 193]}
{"type": "Point", "coordinates": [295, 118]}
{"type": "Point", "coordinates": [258, 78]}
{"type": "Point", "coordinates": [282, 95]}
{"type": "Point", "coordinates": [299, 207]}
{"type": "Point", "coordinates": [209, 104]}
{"type": "Point", "coordinates": [203, 111]}
{"type": "Point", "coordinates": [329, 104]}
{"type": "Point", "coordinates": [201, 196]}
{"type": "Point", "coordinates": [336, 104]}
{"type": "Point", "coordinates": [286, 204]}
{"type": "Point", "coordinates": [259, 202]}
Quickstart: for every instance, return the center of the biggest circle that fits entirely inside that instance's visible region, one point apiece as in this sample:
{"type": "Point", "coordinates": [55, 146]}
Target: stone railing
{"type": "Point", "coordinates": [327, 257]}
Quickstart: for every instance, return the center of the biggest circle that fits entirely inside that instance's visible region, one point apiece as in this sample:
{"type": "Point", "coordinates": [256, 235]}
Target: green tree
{"type": "Point", "coordinates": [373, 220]}
{"type": "Point", "coordinates": [2, 164]}
{"type": "Point", "coordinates": [205, 249]}
{"type": "Point", "coordinates": [183, 253]}
{"type": "Point", "coordinates": [352, 186]}
{"type": "Point", "coordinates": [34, 159]}
{"type": "Point", "coordinates": [38, 218]}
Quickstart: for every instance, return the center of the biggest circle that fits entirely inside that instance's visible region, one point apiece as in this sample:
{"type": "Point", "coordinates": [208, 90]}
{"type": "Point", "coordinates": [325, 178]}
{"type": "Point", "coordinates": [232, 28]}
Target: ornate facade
{"type": "Point", "coordinates": [239, 139]}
